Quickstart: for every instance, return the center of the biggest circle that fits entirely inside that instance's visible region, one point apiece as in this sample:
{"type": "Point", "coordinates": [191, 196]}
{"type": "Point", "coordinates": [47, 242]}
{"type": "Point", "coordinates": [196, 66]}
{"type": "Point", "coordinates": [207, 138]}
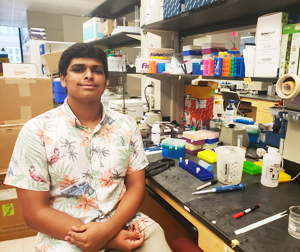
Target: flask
{"type": "Point", "coordinates": [270, 168]}
{"type": "Point", "coordinates": [230, 113]}
{"type": "Point", "coordinates": [155, 134]}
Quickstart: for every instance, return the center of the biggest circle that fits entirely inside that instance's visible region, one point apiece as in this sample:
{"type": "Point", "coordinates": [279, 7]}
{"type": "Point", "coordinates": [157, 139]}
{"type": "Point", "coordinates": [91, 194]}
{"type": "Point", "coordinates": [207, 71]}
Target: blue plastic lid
{"type": "Point", "coordinates": [230, 52]}
{"type": "Point", "coordinates": [235, 52]}
{"type": "Point", "coordinates": [209, 167]}
{"type": "Point", "coordinates": [231, 101]}
{"type": "Point", "coordinates": [215, 53]}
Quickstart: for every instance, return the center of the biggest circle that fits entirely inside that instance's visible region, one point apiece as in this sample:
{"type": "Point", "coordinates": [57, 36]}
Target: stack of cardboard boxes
{"type": "Point", "coordinates": [20, 100]}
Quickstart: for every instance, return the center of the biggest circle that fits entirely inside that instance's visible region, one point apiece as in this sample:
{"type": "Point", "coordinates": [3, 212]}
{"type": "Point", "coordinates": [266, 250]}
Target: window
{"type": "Point", "coordinates": [10, 41]}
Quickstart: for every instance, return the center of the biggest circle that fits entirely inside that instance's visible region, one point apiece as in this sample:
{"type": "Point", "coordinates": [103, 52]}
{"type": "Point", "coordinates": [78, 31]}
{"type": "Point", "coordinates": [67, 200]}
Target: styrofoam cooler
{"type": "Point", "coordinates": [59, 91]}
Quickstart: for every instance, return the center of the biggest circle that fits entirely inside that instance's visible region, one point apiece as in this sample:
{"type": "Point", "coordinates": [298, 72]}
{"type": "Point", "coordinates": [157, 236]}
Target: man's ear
{"type": "Point", "coordinates": [63, 80]}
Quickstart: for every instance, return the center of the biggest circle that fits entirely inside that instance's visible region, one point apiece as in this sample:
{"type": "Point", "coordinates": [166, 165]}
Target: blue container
{"type": "Point", "coordinates": [218, 66]}
{"type": "Point", "coordinates": [59, 91]}
{"type": "Point", "coordinates": [173, 148]}
{"type": "Point", "coordinates": [160, 67]}
{"type": "Point", "coordinates": [173, 8]}
{"type": "Point", "coordinates": [192, 52]}
{"type": "Point", "coordinates": [196, 69]}
{"type": "Point", "coordinates": [211, 141]}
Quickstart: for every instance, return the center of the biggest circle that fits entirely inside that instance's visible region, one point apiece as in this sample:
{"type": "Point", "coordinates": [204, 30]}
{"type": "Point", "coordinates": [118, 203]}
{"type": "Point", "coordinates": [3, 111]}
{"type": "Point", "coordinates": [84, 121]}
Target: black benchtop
{"type": "Point", "coordinates": [220, 207]}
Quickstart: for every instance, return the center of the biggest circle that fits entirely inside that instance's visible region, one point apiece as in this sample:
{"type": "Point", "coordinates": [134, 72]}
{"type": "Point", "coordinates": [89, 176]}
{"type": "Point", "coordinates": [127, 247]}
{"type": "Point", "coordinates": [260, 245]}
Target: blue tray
{"type": "Point", "coordinates": [191, 168]}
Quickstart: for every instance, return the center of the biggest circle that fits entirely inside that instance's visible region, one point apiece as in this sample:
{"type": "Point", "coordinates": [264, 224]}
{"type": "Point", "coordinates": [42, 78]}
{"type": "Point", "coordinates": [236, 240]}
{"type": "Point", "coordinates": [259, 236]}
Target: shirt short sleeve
{"type": "Point", "coordinates": [28, 167]}
{"type": "Point", "coordinates": [138, 159]}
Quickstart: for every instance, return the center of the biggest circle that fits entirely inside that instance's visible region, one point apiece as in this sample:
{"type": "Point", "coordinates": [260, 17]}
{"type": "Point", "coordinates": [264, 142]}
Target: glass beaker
{"type": "Point", "coordinates": [294, 221]}
{"type": "Point", "coordinates": [230, 161]}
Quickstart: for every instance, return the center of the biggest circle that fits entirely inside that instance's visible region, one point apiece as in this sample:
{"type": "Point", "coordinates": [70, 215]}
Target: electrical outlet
{"type": "Point", "coordinates": [152, 103]}
{"type": "Point", "coordinates": [120, 80]}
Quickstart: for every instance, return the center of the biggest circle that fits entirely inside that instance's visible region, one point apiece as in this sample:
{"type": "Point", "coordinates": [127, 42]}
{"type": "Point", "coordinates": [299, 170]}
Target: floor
{"type": "Point", "coordinates": [18, 245]}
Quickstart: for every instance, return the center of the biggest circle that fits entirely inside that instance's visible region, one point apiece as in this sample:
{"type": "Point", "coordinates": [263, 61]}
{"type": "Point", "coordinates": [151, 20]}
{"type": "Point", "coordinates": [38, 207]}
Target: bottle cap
{"type": "Point", "coordinates": [231, 101]}
{"type": "Point", "coordinates": [273, 150]}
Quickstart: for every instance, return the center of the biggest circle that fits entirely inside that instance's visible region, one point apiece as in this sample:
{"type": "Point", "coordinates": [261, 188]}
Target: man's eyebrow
{"type": "Point", "coordinates": [83, 65]}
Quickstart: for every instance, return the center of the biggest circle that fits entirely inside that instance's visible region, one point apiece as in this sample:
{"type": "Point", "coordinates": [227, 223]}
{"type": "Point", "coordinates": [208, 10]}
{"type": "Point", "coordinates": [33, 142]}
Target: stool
{"type": "Point", "coordinates": [183, 244]}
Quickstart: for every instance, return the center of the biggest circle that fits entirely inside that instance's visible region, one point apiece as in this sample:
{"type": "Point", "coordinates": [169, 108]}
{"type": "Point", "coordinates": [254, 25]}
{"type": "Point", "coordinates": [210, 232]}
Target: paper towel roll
{"type": "Point", "coordinates": [288, 89]}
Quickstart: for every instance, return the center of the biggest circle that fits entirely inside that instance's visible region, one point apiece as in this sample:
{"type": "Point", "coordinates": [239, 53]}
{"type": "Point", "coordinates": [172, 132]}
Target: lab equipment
{"type": "Point", "coordinates": [191, 167]}
{"type": "Point", "coordinates": [192, 149]}
{"type": "Point", "coordinates": [294, 221]}
{"type": "Point", "coordinates": [173, 148]}
{"type": "Point", "coordinates": [230, 160]}
{"type": "Point", "coordinates": [207, 184]}
{"type": "Point", "coordinates": [252, 131]}
{"type": "Point", "coordinates": [150, 117]}
{"type": "Point", "coordinates": [155, 134]}
{"type": "Point", "coordinates": [260, 223]}
{"type": "Point", "coordinates": [208, 155]}
{"type": "Point", "coordinates": [270, 168]}
{"type": "Point", "coordinates": [205, 165]}
{"type": "Point", "coordinates": [226, 188]}
{"type": "Point", "coordinates": [228, 136]}
{"type": "Point", "coordinates": [248, 210]}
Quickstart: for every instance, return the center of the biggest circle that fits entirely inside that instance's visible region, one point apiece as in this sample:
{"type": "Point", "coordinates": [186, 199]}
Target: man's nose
{"type": "Point", "coordinates": [88, 74]}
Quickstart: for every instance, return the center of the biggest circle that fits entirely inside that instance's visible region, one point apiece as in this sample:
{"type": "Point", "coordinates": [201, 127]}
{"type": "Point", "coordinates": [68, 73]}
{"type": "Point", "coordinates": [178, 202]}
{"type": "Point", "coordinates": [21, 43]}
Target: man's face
{"type": "Point", "coordinates": [85, 80]}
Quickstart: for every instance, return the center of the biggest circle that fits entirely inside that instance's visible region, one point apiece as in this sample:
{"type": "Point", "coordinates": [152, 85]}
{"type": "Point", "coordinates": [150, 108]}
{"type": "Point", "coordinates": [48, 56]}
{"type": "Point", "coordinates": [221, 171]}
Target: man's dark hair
{"type": "Point", "coordinates": [82, 50]}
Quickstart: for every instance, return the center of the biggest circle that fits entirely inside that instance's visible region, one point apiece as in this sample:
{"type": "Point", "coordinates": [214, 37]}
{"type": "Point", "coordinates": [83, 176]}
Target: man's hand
{"type": "Point", "coordinates": [127, 240]}
{"type": "Point", "coordinates": [90, 237]}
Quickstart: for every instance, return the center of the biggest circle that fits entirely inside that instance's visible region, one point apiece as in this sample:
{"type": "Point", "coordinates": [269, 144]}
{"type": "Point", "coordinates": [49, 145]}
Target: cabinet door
{"type": "Point", "coordinates": [263, 106]}
{"type": "Point", "coordinates": [264, 117]}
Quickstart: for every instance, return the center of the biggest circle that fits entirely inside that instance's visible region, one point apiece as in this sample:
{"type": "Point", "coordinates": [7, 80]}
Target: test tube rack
{"type": "Point", "coordinates": [191, 167]}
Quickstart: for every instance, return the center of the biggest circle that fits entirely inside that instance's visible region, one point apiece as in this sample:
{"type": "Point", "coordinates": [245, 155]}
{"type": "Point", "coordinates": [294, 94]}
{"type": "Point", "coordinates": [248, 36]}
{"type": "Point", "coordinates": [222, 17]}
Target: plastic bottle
{"type": "Point", "coordinates": [205, 165]}
{"type": "Point", "coordinates": [230, 113]}
{"type": "Point", "coordinates": [218, 110]}
{"type": "Point", "coordinates": [154, 11]}
{"type": "Point", "coordinates": [3, 53]}
{"type": "Point", "coordinates": [155, 134]}
{"type": "Point", "coordinates": [137, 63]}
{"type": "Point", "coordinates": [111, 61]}
{"type": "Point", "coordinates": [147, 15]}
{"type": "Point", "coordinates": [270, 168]}
{"type": "Point", "coordinates": [119, 61]}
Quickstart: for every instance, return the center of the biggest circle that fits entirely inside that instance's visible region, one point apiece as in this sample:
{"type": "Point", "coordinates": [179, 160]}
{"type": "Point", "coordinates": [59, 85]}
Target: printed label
{"type": "Point", "coordinates": [8, 194]}
{"type": "Point", "coordinates": [8, 209]}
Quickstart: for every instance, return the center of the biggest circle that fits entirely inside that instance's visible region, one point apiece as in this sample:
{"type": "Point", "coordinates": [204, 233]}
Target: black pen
{"type": "Point", "coordinates": [248, 210]}
{"type": "Point", "coordinates": [207, 184]}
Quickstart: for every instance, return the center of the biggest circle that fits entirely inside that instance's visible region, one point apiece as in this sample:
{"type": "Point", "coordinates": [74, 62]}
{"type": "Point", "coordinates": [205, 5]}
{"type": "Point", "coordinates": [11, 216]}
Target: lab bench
{"type": "Point", "coordinates": [260, 105]}
{"type": "Point", "coordinates": [212, 214]}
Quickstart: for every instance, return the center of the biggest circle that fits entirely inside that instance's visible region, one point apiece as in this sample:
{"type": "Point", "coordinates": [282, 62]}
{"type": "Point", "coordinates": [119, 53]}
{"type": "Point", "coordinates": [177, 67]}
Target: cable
{"type": "Point", "coordinates": [150, 85]}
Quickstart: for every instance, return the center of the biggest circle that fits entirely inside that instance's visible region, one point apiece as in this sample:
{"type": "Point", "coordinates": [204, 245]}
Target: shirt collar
{"type": "Point", "coordinates": [73, 119]}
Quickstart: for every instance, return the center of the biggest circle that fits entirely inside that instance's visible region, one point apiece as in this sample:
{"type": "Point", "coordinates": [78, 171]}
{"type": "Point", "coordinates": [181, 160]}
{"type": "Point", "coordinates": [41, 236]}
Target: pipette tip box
{"type": "Point", "coordinates": [191, 168]}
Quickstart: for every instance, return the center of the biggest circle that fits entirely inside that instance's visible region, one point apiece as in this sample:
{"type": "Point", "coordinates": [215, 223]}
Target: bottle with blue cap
{"type": "Point", "coordinates": [230, 113]}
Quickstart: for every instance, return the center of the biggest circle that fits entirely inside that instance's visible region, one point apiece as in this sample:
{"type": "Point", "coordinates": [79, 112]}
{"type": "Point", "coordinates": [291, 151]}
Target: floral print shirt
{"type": "Point", "coordinates": [83, 170]}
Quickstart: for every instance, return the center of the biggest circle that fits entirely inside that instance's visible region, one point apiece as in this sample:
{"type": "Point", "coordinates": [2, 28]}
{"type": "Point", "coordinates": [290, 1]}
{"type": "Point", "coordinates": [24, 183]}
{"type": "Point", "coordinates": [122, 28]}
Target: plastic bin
{"type": "Point", "coordinates": [192, 52]}
{"type": "Point", "coordinates": [226, 66]}
{"type": "Point", "coordinates": [251, 168]}
{"type": "Point", "coordinates": [173, 148]}
{"type": "Point", "coordinates": [218, 66]}
{"type": "Point", "coordinates": [59, 92]}
{"type": "Point", "coordinates": [208, 155]}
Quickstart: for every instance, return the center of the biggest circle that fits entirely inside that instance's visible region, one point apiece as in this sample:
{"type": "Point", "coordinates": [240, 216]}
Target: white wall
{"type": "Point", "coordinates": [52, 23]}
{"type": "Point", "coordinates": [72, 28]}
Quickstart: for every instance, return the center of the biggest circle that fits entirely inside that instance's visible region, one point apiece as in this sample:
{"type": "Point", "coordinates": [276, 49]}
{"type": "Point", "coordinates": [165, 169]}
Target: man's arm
{"type": "Point", "coordinates": [38, 214]}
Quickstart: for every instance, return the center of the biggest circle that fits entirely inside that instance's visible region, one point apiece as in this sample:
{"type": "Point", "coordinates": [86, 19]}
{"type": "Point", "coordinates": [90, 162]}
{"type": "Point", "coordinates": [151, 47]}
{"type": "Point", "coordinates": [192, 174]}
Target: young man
{"type": "Point", "coordinates": [79, 169]}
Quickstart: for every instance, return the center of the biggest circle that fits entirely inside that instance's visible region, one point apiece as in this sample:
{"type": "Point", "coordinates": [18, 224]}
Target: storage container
{"type": "Point", "coordinates": [173, 148]}
{"type": "Point", "coordinates": [59, 91]}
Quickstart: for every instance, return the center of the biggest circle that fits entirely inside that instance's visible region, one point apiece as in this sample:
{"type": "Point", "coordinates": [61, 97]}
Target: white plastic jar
{"type": "Point", "coordinates": [270, 168]}
{"type": "Point", "coordinates": [155, 133]}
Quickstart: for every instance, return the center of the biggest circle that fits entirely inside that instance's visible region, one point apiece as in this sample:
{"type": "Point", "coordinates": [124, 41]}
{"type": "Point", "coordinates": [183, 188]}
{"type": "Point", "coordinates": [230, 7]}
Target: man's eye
{"type": "Point", "coordinates": [98, 71]}
{"type": "Point", "coordinates": [77, 70]}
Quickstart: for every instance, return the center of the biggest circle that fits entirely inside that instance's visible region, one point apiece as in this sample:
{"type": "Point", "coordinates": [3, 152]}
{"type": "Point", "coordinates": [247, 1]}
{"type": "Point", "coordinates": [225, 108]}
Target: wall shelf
{"type": "Point", "coordinates": [225, 78]}
{"type": "Point", "coordinates": [223, 16]}
{"type": "Point", "coordinates": [122, 39]}
{"type": "Point", "coordinates": [113, 9]}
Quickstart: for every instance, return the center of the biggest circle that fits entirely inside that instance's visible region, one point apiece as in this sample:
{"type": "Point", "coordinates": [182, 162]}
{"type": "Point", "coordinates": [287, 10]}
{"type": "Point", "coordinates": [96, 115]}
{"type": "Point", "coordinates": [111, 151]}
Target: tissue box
{"type": "Point", "coordinates": [92, 29]}
{"type": "Point", "coordinates": [173, 8]}
{"type": "Point", "coordinates": [192, 4]}
{"type": "Point", "coordinates": [289, 51]}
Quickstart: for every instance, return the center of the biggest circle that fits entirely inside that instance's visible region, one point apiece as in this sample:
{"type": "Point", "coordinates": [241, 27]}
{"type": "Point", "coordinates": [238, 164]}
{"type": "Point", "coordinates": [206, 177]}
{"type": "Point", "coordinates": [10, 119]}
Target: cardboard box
{"type": "Point", "coordinates": [12, 224]}
{"type": "Point", "coordinates": [8, 137]}
{"type": "Point", "coordinates": [50, 62]}
{"type": "Point", "coordinates": [212, 84]}
{"type": "Point", "coordinates": [20, 70]}
{"type": "Point", "coordinates": [197, 91]}
{"type": "Point", "coordinates": [92, 29]}
{"type": "Point", "coordinates": [108, 27]}
{"type": "Point", "coordinates": [289, 52]}
{"type": "Point", "coordinates": [159, 52]}
{"type": "Point", "coordinates": [23, 99]}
